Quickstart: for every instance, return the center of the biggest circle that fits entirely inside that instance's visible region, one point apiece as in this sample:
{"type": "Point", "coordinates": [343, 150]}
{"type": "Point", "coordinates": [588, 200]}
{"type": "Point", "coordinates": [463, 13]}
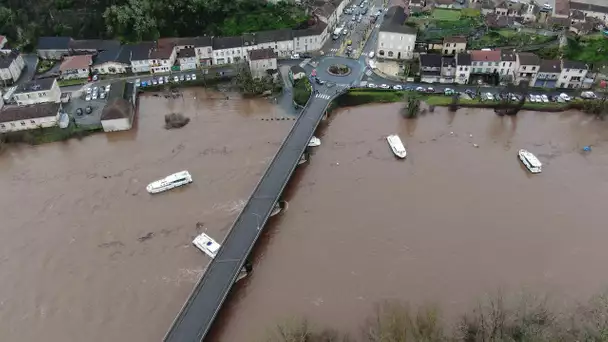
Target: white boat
{"type": "Point", "coordinates": [207, 245]}
{"type": "Point", "coordinates": [314, 142]}
{"type": "Point", "coordinates": [396, 145]}
{"type": "Point", "coordinates": [530, 161]}
{"type": "Point", "coordinates": [303, 159]}
{"type": "Point", "coordinates": [173, 181]}
{"type": "Point", "coordinates": [278, 208]}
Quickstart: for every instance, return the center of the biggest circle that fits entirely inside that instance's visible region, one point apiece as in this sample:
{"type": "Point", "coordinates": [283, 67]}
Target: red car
{"type": "Point", "coordinates": [314, 72]}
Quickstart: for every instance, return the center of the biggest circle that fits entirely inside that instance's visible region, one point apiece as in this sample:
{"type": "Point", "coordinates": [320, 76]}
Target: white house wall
{"type": "Point", "coordinates": [401, 45]}
{"type": "Point", "coordinates": [26, 124]}
{"type": "Point", "coordinates": [122, 124]}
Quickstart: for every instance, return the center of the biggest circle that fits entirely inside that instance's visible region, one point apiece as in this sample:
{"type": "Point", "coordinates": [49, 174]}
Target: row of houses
{"type": "Point", "coordinates": [523, 67]}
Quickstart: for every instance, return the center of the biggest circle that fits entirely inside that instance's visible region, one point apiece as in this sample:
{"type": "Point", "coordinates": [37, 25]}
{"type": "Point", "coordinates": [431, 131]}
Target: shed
{"type": "Point", "coordinates": [119, 111]}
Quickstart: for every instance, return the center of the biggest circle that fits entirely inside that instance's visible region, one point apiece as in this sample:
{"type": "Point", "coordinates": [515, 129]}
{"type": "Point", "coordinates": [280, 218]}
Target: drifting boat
{"type": "Point", "coordinates": [208, 246]}
{"type": "Point", "coordinates": [396, 145]}
{"type": "Point", "coordinates": [530, 161]}
{"type": "Point", "coordinates": [279, 207]}
{"type": "Point", "coordinates": [173, 181]}
{"type": "Point", "coordinates": [314, 142]}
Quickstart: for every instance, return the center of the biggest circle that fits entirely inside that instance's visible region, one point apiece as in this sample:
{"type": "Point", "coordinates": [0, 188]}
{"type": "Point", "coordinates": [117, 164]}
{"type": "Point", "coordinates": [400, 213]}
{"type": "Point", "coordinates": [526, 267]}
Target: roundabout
{"type": "Point", "coordinates": [355, 70]}
{"type": "Point", "coordinates": [339, 70]}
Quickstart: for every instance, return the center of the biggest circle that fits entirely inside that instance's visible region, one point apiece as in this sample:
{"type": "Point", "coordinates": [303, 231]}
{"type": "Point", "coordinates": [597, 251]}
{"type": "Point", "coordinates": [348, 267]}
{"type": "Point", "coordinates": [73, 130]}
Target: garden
{"type": "Point", "coordinates": [443, 22]}
{"type": "Point", "coordinates": [510, 38]}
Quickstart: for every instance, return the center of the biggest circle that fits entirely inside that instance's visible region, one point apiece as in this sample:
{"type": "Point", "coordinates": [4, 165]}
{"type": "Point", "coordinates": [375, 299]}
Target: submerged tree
{"type": "Point", "coordinates": [411, 107]}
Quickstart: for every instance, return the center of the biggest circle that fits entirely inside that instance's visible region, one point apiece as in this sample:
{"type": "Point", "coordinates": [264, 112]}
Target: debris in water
{"type": "Point", "coordinates": [451, 133]}
{"type": "Point", "coordinates": [470, 135]}
{"type": "Point", "coordinates": [176, 120]}
{"type": "Point", "coordinates": [475, 145]}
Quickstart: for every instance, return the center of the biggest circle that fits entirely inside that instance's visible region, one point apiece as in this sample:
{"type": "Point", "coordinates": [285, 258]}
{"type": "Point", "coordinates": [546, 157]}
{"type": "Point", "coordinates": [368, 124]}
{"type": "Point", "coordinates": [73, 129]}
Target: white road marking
{"type": "Point", "coordinates": [323, 96]}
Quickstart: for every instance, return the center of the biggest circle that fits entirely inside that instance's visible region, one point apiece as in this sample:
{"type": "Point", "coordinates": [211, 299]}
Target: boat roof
{"type": "Point", "coordinates": [532, 159]}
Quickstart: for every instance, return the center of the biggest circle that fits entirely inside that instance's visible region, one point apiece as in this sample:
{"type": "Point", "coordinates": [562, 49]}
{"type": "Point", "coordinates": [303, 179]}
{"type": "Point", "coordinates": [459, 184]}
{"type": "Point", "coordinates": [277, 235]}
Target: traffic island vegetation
{"type": "Point", "coordinates": [302, 89]}
{"type": "Point", "coordinates": [495, 319]}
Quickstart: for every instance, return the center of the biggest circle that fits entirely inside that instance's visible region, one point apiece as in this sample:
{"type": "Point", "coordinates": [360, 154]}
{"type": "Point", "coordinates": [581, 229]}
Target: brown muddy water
{"type": "Point", "coordinates": [87, 254]}
{"type": "Point", "coordinates": [449, 225]}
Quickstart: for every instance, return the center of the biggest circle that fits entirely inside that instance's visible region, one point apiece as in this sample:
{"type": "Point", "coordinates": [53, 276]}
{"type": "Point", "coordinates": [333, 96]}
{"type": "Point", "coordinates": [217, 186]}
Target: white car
{"type": "Point", "coordinates": [538, 98]}
{"type": "Point", "coordinates": [371, 85]}
{"type": "Point", "coordinates": [565, 97]}
{"type": "Point", "coordinates": [87, 98]}
{"type": "Point", "coordinates": [175, 79]}
{"type": "Point", "coordinates": [194, 77]}
{"type": "Point", "coordinates": [95, 90]}
{"type": "Point", "coordinates": [166, 79]}
{"type": "Point", "coordinates": [588, 95]}
{"type": "Point", "coordinates": [397, 87]}
{"type": "Point", "coordinates": [345, 32]}
{"type": "Point", "coordinates": [544, 98]}
{"type": "Point", "coordinates": [371, 54]}
{"type": "Point", "coordinates": [102, 95]}
{"type": "Point", "coordinates": [532, 98]}
{"type": "Point", "coordinates": [154, 82]}
{"type": "Point", "coordinates": [161, 80]}
{"type": "Point", "coordinates": [94, 96]}
{"type": "Point", "coordinates": [384, 86]}
{"type": "Point", "coordinates": [88, 91]}
{"type": "Point", "coordinates": [420, 89]}
{"type": "Point", "coordinates": [107, 88]}
{"type": "Point", "coordinates": [489, 96]}
{"type": "Point", "coordinates": [187, 77]}
{"type": "Point", "coordinates": [295, 56]}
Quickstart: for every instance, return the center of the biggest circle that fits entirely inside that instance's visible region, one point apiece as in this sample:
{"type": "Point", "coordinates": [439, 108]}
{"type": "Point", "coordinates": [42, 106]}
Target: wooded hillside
{"type": "Point", "coordinates": [23, 21]}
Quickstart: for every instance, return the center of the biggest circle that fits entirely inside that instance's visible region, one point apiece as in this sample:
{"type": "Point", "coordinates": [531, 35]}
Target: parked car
{"type": "Point", "coordinates": [175, 79]}
{"type": "Point", "coordinates": [430, 90]}
{"type": "Point", "coordinates": [188, 78]}
{"type": "Point", "coordinates": [420, 89]}
{"type": "Point", "coordinates": [79, 111]}
{"type": "Point", "coordinates": [194, 77]}
{"type": "Point", "coordinates": [182, 77]}
{"type": "Point", "coordinates": [371, 85]}
{"type": "Point", "coordinates": [154, 81]}
{"type": "Point", "coordinates": [397, 87]}
{"type": "Point", "coordinates": [94, 96]}
{"type": "Point", "coordinates": [384, 86]}
{"type": "Point", "coordinates": [138, 82]}
{"type": "Point", "coordinates": [295, 56]}
{"type": "Point", "coordinates": [448, 91]}
{"type": "Point", "coordinates": [538, 98]}
{"type": "Point", "coordinates": [565, 97]}
{"type": "Point", "coordinates": [95, 90]}
{"type": "Point", "coordinates": [489, 96]}
{"type": "Point", "coordinates": [544, 98]}
{"type": "Point", "coordinates": [88, 90]}
{"type": "Point", "coordinates": [87, 98]}
{"type": "Point", "coordinates": [102, 95]}
{"type": "Point", "coordinates": [588, 95]}
{"type": "Point", "coordinates": [371, 54]}
{"type": "Point", "coordinates": [144, 83]}
{"type": "Point", "coordinates": [161, 80]}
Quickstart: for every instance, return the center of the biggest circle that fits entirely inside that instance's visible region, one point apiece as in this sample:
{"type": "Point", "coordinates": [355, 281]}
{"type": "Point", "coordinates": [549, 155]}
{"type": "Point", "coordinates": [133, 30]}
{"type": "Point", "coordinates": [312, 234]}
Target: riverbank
{"type": "Point", "coordinates": [355, 97]}
{"type": "Point", "coordinates": [47, 135]}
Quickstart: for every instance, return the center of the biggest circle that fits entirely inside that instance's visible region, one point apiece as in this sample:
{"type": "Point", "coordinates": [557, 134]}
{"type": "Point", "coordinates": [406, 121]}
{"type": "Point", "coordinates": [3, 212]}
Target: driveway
{"type": "Point", "coordinates": [31, 62]}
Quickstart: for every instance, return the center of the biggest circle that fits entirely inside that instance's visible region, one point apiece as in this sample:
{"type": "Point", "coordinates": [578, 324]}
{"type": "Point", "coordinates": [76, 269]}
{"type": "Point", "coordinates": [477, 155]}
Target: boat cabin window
{"type": "Point", "coordinates": [179, 180]}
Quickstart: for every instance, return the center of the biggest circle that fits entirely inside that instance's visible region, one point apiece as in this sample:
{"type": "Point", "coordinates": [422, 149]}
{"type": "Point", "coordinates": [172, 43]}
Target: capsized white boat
{"type": "Point", "coordinates": [279, 207]}
{"type": "Point", "coordinates": [314, 142]}
{"type": "Point", "coordinates": [396, 145]}
{"type": "Point", "coordinates": [530, 161]}
{"type": "Point", "coordinates": [208, 246]}
{"type": "Point", "coordinates": [170, 182]}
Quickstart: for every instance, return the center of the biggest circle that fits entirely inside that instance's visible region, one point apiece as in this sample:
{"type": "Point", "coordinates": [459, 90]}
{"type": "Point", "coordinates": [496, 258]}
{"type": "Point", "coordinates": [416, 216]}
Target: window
{"type": "Point", "coordinates": [33, 122]}
{"type": "Point", "coordinates": [460, 69]}
{"type": "Point", "coordinates": [2, 126]}
{"type": "Point", "coordinates": [12, 124]}
{"type": "Point", "coordinates": [523, 68]}
{"type": "Point", "coordinates": [533, 68]}
{"type": "Point", "coordinates": [511, 63]}
{"type": "Point", "coordinates": [567, 70]}
{"type": "Point", "coordinates": [580, 71]}
{"type": "Point", "coordinates": [22, 123]}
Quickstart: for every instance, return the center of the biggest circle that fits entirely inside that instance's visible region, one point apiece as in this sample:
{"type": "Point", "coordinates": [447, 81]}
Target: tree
{"type": "Point", "coordinates": [411, 107]}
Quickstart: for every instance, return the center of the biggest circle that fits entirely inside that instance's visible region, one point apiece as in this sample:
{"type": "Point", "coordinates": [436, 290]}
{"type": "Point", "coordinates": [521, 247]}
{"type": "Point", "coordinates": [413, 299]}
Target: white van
{"type": "Point", "coordinates": [371, 54]}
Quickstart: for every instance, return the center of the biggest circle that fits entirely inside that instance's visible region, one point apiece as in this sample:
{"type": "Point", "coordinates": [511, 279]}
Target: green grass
{"type": "Point", "coordinates": [71, 82]}
{"type": "Point", "coordinates": [445, 14]}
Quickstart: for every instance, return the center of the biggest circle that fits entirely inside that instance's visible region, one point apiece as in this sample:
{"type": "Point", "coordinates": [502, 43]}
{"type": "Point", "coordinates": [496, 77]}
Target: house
{"type": "Point", "coordinates": [140, 57]}
{"type": "Point", "coordinates": [558, 23]}
{"type": "Point", "coordinates": [249, 44]}
{"type": "Point", "coordinates": [11, 65]}
{"type": "Point", "coordinates": [119, 112]}
{"type": "Point", "coordinates": [279, 40]}
{"type": "Point", "coordinates": [548, 74]}
{"type": "Point", "coordinates": [187, 59]}
{"type": "Point", "coordinates": [573, 74]}
{"type": "Point", "coordinates": [162, 58]}
{"type": "Point", "coordinates": [203, 47]}
{"type": "Point", "coordinates": [75, 67]}
{"type": "Point", "coordinates": [501, 9]}
{"type": "Point", "coordinates": [92, 46]}
{"type": "Point", "coordinates": [114, 61]}
{"type": "Point", "coordinates": [453, 45]}
{"type": "Point", "coordinates": [448, 69]}
{"type": "Point", "coordinates": [530, 12]}
{"type": "Point", "coordinates": [3, 41]}
{"type": "Point", "coordinates": [227, 50]}
{"type": "Point", "coordinates": [526, 67]}
{"type": "Point", "coordinates": [591, 10]}
{"type": "Point", "coordinates": [562, 9]}
{"type": "Point", "coordinates": [416, 5]}
{"type": "Point", "coordinates": [463, 63]}
{"type": "Point", "coordinates": [310, 39]}
{"type": "Point", "coordinates": [581, 29]}
{"type": "Point", "coordinates": [20, 118]}
{"type": "Point", "coordinates": [508, 60]}
{"type": "Point", "coordinates": [485, 61]}
{"type": "Point", "coordinates": [430, 68]}
{"type": "Point", "coordinates": [577, 16]}
{"type": "Point", "coordinates": [262, 60]}
{"type": "Point", "coordinates": [296, 72]}
{"type": "Point", "coordinates": [38, 91]}
{"type": "Point", "coordinates": [53, 47]}
{"type": "Point", "coordinates": [487, 7]}
{"type": "Point", "coordinates": [396, 40]}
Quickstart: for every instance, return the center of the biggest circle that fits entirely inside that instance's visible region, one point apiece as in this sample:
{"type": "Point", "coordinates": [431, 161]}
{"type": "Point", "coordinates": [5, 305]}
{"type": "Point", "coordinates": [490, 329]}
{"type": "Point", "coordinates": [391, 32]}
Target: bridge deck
{"type": "Point", "coordinates": [197, 315]}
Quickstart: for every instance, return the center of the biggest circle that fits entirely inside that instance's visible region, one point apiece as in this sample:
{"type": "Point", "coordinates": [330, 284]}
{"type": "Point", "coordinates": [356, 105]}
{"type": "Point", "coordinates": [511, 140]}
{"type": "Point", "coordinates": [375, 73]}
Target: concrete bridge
{"type": "Point", "coordinates": [197, 315]}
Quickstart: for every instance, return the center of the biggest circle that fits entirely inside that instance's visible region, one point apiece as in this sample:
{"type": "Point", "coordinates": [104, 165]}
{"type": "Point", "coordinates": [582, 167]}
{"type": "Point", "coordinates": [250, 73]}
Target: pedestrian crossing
{"type": "Point", "coordinates": [377, 25]}
{"type": "Point", "coordinates": [334, 50]}
{"type": "Point", "coordinates": [323, 96]}
{"type": "Point", "coordinates": [304, 62]}
{"type": "Point", "coordinates": [368, 72]}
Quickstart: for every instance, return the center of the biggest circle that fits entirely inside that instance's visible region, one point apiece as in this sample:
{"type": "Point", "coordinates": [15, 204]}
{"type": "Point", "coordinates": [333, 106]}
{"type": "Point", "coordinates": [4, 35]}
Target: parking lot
{"type": "Point", "coordinates": [86, 106]}
{"type": "Point", "coordinates": [160, 80]}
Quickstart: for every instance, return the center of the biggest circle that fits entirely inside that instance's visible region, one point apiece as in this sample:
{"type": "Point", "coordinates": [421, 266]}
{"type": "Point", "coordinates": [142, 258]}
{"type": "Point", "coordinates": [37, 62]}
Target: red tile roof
{"type": "Point", "coordinates": [76, 62]}
{"type": "Point", "coordinates": [481, 56]}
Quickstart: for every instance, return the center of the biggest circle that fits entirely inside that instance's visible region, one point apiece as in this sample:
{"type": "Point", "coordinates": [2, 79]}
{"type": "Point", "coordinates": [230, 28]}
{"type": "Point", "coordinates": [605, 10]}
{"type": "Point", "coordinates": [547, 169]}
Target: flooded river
{"type": "Point", "coordinates": [86, 253]}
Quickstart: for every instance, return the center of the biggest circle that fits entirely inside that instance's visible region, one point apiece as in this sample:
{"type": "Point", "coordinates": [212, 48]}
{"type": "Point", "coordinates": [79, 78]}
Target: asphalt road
{"type": "Point", "coordinates": [31, 62]}
{"type": "Point", "coordinates": [199, 312]}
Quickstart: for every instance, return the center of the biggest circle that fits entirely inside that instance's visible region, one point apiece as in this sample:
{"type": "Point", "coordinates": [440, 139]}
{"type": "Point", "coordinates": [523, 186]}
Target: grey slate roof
{"type": "Point", "coordinates": [94, 44]}
{"type": "Point", "coordinates": [262, 54]}
{"type": "Point", "coordinates": [507, 56]}
{"type": "Point", "coordinates": [53, 43]}
{"type": "Point", "coordinates": [120, 55]}
{"type": "Point", "coordinates": [249, 39]}
{"type": "Point", "coordinates": [574, 65]}
{"type": "Point", "coordinates": [220, 43]}
{"type": "Point", "coordinates": [311, 31]}
{"type": "Point", "coordinates": [430, 60]}
{"type": "Point", "coordinates": [6, 59]}
{"type": "Point", "coordinates": [552, 66]}
{"type": "Point", "coordinates": [40, 110]}
{"type": "Point", "coordinates": [463, 59]}
{"type": "Point", "coordinates": [527, 58]}
{"type": "Point", "coordinates": [185, 53]}
{"type": "Point", "coordinates": [203, 41]}
{"type": "Point", "coordinates": [37, 85]}
{"type": "Point", "coordinates": [394, 22]}
{"type": "Point", "coordinates": [274, 36]}
{"type": "Point", "coordinates": [141, 51]}
{"type": "Point", "coordinates": [588, 7]}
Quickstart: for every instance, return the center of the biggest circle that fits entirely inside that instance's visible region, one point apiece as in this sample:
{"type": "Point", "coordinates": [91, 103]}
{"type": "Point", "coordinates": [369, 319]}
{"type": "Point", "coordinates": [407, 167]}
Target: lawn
{"type": "Point", "coordinates": [71, 82]}
{"type": "Point", "coordinates": [443, 14]}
